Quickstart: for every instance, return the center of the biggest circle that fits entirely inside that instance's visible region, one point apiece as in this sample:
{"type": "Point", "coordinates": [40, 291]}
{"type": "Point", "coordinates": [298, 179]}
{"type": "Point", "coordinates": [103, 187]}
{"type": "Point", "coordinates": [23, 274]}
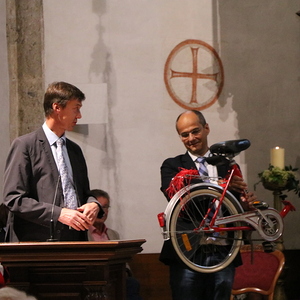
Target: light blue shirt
{"type": "Point", "coordinates": [212, 170]}
{"type": "Point", "coordinates": [52, 138]}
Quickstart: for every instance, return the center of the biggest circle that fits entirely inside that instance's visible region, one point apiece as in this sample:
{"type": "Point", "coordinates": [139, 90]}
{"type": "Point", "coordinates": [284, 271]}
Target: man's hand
{"type": "Point", "coordinates": [237, 184]}
{"type": "Point", "coordinates": [81, 218]}
{"type": "Point", "coordinates": [90, 210]}
{"type": "Point", "coordinates": [74, 219]}
{"type": "Point", "coordinates": [247, 200]}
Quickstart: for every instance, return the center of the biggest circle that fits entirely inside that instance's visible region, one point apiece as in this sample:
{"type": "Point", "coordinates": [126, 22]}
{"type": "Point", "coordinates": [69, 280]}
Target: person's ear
{"type": "Point", "coordinates": [206, 126]}
{"type": "Point", "coordinates": [56, 107]}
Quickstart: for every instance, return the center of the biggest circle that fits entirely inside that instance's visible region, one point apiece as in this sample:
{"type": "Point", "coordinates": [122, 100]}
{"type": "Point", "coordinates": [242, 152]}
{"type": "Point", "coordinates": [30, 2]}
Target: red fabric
{"type": "Point", "coordinates": [183, 178]}
{"type": "Point", "coordinates": [259, 274]}
{"type": "Point", "coordinates": [2, 281]}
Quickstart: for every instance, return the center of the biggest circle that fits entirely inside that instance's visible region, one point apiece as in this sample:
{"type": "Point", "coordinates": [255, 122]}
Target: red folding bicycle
{"type": "Point", "coordinates": [205, 218]}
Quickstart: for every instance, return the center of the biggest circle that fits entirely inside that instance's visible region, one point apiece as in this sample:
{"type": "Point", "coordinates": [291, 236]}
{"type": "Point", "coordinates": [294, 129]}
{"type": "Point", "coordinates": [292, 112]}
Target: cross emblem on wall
{"type": "Point", "coordinates": [194, 75]}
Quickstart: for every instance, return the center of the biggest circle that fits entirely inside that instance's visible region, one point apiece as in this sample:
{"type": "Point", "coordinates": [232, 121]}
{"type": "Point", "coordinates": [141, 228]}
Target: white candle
{"type": "Point", "coordinates": [277, 157]}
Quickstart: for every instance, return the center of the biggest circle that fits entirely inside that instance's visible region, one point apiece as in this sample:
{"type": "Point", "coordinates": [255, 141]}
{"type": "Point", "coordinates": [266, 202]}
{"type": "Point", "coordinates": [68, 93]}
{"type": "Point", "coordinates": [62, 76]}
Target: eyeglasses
{"type": "Point", "coordinates": [185, 135]}
{"type": "Point", "coordinates": [105, 206]}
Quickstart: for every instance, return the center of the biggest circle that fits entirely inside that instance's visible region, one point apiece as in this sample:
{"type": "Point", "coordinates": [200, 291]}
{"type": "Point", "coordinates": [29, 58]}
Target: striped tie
{"type": "Point", "coordinates": [70, 199]}
{"type": "Point", "coordinates": [202, 168]}
{"type": "Point", "coordinates": [204, 172]}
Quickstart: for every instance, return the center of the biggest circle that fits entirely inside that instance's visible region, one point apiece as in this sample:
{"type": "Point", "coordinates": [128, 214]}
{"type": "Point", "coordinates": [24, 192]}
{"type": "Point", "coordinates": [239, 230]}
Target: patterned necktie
{"type": "Point", "coordinates": [204, 172]}
{"type": "Point", "coordinates": [202, 168]}
{"type": "Point", "coordinates": [70, 200]}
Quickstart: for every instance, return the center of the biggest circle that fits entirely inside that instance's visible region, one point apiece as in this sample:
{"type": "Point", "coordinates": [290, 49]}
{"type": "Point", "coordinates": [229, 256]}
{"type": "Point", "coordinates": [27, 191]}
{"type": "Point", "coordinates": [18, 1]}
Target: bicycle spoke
{"type": "Point", "coordinates": [200, 249]}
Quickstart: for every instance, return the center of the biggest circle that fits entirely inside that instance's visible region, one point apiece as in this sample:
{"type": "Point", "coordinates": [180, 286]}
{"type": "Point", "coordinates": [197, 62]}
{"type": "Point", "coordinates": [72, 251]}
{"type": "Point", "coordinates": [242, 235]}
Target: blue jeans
{"type": "Point", "coordinates": [187, 284]}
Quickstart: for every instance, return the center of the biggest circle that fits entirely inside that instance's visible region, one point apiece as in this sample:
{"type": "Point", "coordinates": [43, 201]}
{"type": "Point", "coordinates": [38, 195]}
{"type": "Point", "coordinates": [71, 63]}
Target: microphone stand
{"type": "Point", "coordinates": [52, 239]}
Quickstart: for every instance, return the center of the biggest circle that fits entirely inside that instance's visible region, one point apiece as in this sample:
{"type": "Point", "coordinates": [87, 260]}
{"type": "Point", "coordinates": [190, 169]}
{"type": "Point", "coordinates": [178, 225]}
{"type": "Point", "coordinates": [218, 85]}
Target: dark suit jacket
{"type": "Point", "coordinates": [169, 169]}
{"type": "Point", "coordinates": [30, 180]}
{"type": "Point", "coordinates": [172, 166]}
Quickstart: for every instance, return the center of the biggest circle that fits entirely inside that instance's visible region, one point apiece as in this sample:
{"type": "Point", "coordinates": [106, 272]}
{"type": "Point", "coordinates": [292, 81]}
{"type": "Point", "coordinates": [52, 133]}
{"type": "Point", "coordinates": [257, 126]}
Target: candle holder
{"type": "Point", "coordinates": [278, 180]}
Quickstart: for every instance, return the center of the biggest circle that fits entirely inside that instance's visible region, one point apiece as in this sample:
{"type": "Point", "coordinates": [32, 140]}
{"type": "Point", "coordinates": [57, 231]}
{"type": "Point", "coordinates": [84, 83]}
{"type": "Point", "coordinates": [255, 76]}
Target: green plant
{"type": "Point", "coordinates": [276, 179]}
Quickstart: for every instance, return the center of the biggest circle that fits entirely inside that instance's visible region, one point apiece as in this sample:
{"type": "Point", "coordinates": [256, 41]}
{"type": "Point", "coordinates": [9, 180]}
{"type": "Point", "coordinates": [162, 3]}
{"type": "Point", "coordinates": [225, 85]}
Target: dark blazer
{"type": "Point", "coordinates": [31, 179]}
{"type": "Point", "coordinates": [172, 166]}
{"type": "Point", "coordinates": [169, 169]}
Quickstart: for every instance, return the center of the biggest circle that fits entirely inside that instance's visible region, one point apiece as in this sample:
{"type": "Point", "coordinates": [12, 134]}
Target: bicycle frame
{"type": "Point", "coordinates": [164, 217]}
{"type": "Point", "coordinates": [205, 221]}
{"type": "Point", "coordinates": [218, 224]}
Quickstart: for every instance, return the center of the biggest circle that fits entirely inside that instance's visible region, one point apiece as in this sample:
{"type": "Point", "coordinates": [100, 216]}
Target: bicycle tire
{"type": "Point", "coordinates": [191, 244]}
{"type": "Point", "coordinates": [267, 232]}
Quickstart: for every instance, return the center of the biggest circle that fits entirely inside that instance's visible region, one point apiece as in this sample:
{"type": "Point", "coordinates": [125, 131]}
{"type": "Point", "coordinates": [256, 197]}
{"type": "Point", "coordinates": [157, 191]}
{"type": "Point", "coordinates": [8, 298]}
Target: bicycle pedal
{"type": "Point", "coordinates": [260, 205]}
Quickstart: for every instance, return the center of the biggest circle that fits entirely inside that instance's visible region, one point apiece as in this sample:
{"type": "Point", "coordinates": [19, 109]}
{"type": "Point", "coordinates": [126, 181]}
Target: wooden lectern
{"type": "Point", "coordinates": [70, 270]}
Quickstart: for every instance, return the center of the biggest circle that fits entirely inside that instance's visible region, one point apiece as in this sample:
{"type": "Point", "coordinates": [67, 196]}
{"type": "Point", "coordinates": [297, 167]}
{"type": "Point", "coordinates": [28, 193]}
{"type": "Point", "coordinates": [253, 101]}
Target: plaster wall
{"type": "Point", "coordinates": [260, 52]}
{"type": "Point", "coordinates": [120, 48]}
{"type": "Point", "coordinates": [123, 57]}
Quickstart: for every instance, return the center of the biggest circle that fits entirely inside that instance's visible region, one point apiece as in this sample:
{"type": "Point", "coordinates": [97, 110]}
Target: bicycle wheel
{"type": "Point", "coordinates": [271, 226]}
{"type": "Point", "coordinates": [199, 249]}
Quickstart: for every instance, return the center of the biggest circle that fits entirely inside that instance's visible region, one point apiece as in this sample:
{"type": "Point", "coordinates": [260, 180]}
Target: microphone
{"type": "Point", "coordinates": [52, 239]}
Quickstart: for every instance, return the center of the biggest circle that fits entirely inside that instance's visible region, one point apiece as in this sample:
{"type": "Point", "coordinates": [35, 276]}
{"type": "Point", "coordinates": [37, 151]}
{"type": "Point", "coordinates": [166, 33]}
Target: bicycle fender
{"type": "Point", "coordinates": [176, 198]}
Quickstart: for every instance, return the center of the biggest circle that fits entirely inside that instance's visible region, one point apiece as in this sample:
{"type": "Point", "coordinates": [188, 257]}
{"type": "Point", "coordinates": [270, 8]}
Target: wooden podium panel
{"type": "Point", "coordinates": [70, 270]}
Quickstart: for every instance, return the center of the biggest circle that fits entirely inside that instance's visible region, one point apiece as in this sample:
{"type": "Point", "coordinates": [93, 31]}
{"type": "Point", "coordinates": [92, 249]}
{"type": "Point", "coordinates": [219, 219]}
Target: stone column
{"type": "Point", "coordinates": [25, 44]}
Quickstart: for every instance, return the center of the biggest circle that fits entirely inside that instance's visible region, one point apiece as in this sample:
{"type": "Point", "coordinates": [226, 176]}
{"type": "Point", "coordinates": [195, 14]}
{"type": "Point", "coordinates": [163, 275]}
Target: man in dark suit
{"type": "Point", "coordinates": [33, 189]}
{"type": "Point", "coordinates": [187, 284]}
